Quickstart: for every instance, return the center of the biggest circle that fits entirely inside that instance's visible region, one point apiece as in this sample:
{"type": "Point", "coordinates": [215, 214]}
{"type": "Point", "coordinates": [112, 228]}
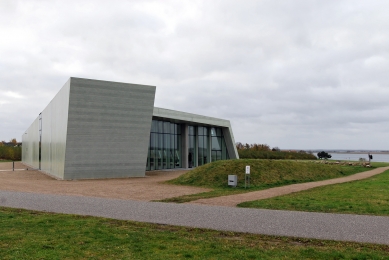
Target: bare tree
{"type": "Point", "coordinates": [13, 141]}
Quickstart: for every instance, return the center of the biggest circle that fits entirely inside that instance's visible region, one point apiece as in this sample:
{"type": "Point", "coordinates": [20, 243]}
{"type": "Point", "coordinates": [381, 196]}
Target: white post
{"type": "Point", "coordinates": [247, 177]}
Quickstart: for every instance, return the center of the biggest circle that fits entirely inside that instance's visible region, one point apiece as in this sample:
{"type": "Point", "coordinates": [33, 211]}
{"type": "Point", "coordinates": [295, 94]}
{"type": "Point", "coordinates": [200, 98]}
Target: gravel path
{"type": "Point", "coordinates": [146, 189]}
{"type": "Point", "coordinates": [233, 200]}
{"type": "Point", "coordinates": [343, 227]}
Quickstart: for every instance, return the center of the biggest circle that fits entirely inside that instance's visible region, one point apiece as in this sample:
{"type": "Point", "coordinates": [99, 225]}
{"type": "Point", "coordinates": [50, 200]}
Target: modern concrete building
{"type": "Point", "coordinates": [99, 129]}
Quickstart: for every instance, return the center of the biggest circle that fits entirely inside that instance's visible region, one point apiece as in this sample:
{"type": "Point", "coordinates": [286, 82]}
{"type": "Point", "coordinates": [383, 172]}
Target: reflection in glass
{"type": "Point", "coordinates": [206, 144]}
{"type": "Point", "coordinates": [219, 149]}
{"type": "Point", "coordinates": [165, 146]}
{"type": "Point", "coordinates": [192, 154]}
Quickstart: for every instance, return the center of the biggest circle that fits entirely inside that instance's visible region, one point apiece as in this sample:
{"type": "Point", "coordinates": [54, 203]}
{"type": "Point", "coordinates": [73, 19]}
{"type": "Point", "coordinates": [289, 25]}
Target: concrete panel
{"type": "Point", "coordinates": [54, 130]}
{"type": "Point", "coordinates": [178, 116]}
{"type": "Point", "coordinates": [30, 145]}
{"type": "Point", "coordinates": [230, 142]}
{"type": "Point", "coordinates": [108, 129]}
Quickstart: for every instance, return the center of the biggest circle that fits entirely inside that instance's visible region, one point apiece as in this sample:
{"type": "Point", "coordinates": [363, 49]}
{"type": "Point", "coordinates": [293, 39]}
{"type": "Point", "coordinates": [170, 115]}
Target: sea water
{"type": "Point", "coordinates": [380, 157]}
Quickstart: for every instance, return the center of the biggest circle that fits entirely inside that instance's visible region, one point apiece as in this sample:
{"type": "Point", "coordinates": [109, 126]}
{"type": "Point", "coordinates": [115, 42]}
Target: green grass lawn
{"type": "Point", "coordinates": [38, 235]}
{"type": "Point", "coordinates": [370, 197]}
{"type": "Point", "coordinates": [264, 174]}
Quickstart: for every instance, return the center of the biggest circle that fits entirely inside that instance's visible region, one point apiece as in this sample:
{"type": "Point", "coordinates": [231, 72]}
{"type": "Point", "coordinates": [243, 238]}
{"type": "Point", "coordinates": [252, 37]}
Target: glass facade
{"type": "Point", "coordinates": [219, 149]}
{"type": "Point", "coordinates": [192, 149]}
{"type": "Point", "coordinates": [165, 146]}
{"type": "Point", "coordinates": [203, 151]}
{"type": "Point", "coordinates": [205, 144]}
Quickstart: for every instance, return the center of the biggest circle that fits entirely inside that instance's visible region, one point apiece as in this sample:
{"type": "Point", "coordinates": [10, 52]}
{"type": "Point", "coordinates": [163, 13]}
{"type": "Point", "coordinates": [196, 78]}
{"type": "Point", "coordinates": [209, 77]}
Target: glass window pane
{"type": "Point", "coordinates": [205, 150]}
{"type": "Point", "coordinates": [168, 151]}
{"type": "Point", "coordinates": [153, 143]}
{"type": "Point", "coordinates": [200, 150]}
{"type": "Point", "coordinates": [191, 152]}
{"type": "Point", "coordinates": [172, 144]}
{"type": "Point", "coordinates": [219, 141]}
{"type": "Point", "coordinates": [154, 126]}
{"type": "Point", "coordinates": [218, 155]}
{"type": "Point", "coordinates": [178, 151]}
{"type": "Point", "coordinates": [166, 127]}
{"type": "Point", "coordinates": [200, 130]}
{"type": "Point", "coordinates": [216, 144]}
{"type": "Point", "coordinates": [160, 151]}
{"type": "Point", "coordinates": [213, 154]}
{"type": "Point", "coordinates": [164, 150]}
{"type": "Point", "coordinates": [213, 131]}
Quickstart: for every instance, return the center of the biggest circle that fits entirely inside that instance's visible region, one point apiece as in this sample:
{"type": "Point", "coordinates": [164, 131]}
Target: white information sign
{"type": "Point", "coordinates": [247, 169]}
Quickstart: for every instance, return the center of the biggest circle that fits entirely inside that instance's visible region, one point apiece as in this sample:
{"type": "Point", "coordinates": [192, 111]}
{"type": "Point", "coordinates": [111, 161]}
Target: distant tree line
{"type": "Point", "coordinates": [263, 151]}
{"type": "Point", "coordinates": [10, 150]}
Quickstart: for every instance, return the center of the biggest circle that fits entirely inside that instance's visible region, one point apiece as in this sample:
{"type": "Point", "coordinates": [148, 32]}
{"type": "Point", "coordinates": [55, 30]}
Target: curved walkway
{"type": "Point", "coordinates": [233, 200]}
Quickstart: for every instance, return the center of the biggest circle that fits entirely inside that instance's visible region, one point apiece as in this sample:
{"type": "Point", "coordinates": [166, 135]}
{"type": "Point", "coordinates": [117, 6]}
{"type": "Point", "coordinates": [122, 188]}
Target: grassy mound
{"type": "Point", "coordinates": [264, 173]}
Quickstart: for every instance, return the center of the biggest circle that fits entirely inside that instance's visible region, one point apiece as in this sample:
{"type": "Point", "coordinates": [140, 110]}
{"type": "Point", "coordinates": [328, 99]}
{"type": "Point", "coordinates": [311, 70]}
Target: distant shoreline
{"type": "Point", "coordinates": [341, 152]}
{"type": "Point", "coordinates": [360, 152]}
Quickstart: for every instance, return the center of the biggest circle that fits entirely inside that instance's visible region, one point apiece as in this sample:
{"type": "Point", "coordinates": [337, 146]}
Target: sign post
{"type": "Point", "coordinates": [247, 177]}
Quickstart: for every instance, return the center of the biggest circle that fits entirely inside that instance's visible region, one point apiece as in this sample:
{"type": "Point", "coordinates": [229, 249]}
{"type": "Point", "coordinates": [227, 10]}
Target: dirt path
{"type": "Point", "coordinates": [144, 189]}
{"type": "Point", "coordinates": [233, 200]}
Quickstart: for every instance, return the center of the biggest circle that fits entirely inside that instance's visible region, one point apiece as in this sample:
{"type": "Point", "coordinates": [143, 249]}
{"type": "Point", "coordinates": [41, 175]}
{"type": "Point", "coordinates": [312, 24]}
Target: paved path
{"type": "Point", "coordinates": [233, 200]}
{"type": "Point", "coordinates": [371, 229]}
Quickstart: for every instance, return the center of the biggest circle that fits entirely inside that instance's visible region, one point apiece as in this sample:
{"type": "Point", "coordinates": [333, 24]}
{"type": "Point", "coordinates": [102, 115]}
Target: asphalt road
{"type": "Point", "coordinates": [372, 229]}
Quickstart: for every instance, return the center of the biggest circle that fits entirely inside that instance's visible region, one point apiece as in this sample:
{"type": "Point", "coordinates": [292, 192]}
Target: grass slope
{"type": "Point", "coordinates": [264, 174]}
{"type": "Point", "coordinates": [38, 235]}
{"type": "Point", "coordinates": [370, 197]}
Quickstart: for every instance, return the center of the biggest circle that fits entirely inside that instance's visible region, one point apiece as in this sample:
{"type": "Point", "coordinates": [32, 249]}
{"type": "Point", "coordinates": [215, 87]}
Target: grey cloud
{"type": "Point", "coordinates": [282, 72]}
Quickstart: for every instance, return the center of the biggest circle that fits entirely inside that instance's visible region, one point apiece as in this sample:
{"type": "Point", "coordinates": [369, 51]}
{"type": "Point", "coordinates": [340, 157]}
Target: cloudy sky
{"type": "Point", "coordinates": [293, 74]}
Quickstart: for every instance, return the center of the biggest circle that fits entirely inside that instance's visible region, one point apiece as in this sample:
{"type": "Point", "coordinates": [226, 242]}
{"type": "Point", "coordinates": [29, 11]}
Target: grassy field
{"type": "Point", "coordinates": [38, 235]}
{"type": "Point", "coordinates": [370, 197]}
{"type": "Point", "coordinates": [379, 164]}
{"type": "Point", "coordinates": [264, 174]}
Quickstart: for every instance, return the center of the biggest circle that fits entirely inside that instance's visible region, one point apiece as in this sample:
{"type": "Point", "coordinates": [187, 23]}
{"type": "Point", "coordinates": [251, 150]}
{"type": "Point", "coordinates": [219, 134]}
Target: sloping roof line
{"type": "Point", "coordinates": [178, 116]}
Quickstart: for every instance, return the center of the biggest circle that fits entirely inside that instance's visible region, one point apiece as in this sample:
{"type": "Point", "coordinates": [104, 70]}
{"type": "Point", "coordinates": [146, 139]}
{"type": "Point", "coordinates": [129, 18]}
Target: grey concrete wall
{"type": "Point", "coordinates": [230, 142]}
{"type": "Point", "coordinates": [179, 116]}
{"type": "Point", "coordinates": [30, 145]}
{"type": "Point", "coordinates": [108, 129]}
{"type": "Point", "coordinates": [54, 130]}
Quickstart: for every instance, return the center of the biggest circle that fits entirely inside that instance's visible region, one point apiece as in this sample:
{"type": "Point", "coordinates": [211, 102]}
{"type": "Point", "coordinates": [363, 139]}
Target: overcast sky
{"type": "Point", "coordinates": [293, 74]}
